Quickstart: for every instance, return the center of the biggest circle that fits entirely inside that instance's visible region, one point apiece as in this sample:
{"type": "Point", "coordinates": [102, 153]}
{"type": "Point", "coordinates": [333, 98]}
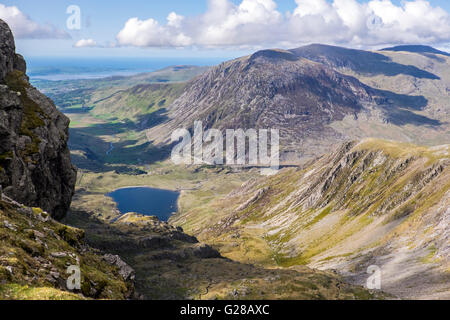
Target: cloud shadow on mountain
{"type": "Point", "coordinates": [364, 62]}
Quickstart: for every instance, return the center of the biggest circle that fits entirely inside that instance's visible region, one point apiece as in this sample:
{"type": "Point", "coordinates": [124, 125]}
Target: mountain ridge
{"type": "Point", "coordinates": [417, 49]}
{"type": "Point", "coordinates": [307, 93]}
{"type": "Point", "coordinates": [367, 203]}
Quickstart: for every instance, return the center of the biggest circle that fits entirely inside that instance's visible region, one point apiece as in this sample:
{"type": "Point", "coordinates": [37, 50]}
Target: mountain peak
{"type": "Point", "coordinates": [9, 60]}
{"type": "Point", "coordinates": [274, 54]}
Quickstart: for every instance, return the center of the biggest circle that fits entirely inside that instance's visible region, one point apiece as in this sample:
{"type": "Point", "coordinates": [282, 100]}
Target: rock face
{"type": "Point", "coordinates": [35, 166]}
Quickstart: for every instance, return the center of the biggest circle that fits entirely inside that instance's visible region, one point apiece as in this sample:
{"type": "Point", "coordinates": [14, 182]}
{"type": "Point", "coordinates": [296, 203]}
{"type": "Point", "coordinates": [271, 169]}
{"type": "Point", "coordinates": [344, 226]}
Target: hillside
{"type": "Point", "coordinates": [172, 265]}
{"type": "Point", "coordinates": [370, 203]}
{"type": "Point", "coordinates": [141, 104]}
{"type": "Point", "coordinates": [319, 96]}
{"type": "Point", "coordinates": [35, 252]}
{"type": "Point", "coordinates": [70, 95]}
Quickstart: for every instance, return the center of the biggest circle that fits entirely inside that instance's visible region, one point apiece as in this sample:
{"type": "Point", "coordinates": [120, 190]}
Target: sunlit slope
{"type": "Point", "coordinates": [370, 203]}
{"type": "Point", "coordinates": [138, 102]}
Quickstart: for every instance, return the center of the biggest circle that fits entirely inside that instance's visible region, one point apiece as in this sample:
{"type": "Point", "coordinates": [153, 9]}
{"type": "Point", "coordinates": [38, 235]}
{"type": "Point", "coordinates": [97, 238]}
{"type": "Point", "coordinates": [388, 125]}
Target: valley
{"type": "Point", "coordinates": [364, 179]}
{"type": "Point", "coordinates": [299, 217]}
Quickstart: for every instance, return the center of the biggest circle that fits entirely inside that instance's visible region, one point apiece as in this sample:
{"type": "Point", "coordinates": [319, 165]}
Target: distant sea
{"type": "Point", "coordinates": [55, 69]}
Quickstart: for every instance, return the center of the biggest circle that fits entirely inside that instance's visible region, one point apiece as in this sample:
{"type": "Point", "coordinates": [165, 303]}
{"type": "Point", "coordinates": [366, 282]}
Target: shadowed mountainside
{"type": "Point", "coordinates": [359, 60]}
{"type": "Point", "coordinates": [417, 49]}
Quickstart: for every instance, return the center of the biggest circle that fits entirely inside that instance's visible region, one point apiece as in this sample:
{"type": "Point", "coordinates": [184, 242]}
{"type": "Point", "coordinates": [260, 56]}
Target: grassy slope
{"type": "Point", "coordinates": [29, 269]}
{"type": "Point", "coordinates": [172, 272]}
{"type": "Point", "coordinates": [76, 93]}
{"type": "Point", "coordinates": [347, 210]}
{"type": "Point", "coordinates": [138, 101]}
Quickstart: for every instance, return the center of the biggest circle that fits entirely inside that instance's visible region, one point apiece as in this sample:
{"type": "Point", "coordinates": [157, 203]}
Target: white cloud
{"type": "Point", "coordinates": [223, 24]}
{"type": "Point", "coordinates": [25, 28]}
{"type": "Point", "coordinates": [85, 43]}
{"type": "Point", "coordinates": [150, 33]}
{"type": "Point", "coordinates": [259, 23]}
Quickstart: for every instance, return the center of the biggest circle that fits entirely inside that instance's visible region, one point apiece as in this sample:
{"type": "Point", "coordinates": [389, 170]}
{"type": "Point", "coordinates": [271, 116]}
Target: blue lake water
{"type": "Point", "coordinates": [147, 201]}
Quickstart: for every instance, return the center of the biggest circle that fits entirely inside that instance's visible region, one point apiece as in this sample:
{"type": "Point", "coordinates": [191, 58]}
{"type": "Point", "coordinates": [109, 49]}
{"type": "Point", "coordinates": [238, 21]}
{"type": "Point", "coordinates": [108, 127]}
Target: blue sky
{"type": "Point", "coordinates": [330, 22]}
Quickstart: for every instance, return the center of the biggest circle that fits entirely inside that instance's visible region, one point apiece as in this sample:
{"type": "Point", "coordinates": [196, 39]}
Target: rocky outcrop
{"type": "Point", "coordinates": [35, 165]}
{"type": "Point", "coordinates": [125, 270]}
{"type": "Point", "coordinates": [38, 256]}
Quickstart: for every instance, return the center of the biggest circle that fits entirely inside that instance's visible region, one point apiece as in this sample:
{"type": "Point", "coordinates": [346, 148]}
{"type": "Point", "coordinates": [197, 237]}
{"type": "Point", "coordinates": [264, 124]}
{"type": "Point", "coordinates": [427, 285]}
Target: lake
{"type": "Point", "coordinates": [146, 201]}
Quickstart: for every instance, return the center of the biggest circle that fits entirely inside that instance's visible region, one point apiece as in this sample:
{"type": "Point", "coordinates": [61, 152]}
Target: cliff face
{"type": "Point", "coordinates": [35, 166]}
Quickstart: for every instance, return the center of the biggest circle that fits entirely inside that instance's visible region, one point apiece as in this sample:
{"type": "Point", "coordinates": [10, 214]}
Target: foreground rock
{"type": "Point", "coordinates": [35, 166]}
{"type": "Point", "coordinates": [36, 252]}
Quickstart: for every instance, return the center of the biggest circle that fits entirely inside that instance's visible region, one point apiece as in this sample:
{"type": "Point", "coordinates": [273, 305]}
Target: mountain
{"type": "Point", "coordinates": [269, 89]}
{"type": "Point", "coordinates": [35, 166]}
{"type": "Point", "coordinates": [373, 202]}
{"type": "Point", "coordinates": [363, 62]}
{"type": "Point", "coordinates": [417, 49]}
{"type": "Point", "coordinates": [318, 96]}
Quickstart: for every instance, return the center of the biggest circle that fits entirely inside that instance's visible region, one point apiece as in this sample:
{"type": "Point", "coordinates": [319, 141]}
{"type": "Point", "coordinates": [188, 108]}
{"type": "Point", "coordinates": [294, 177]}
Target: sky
{"type": "Point", "coordinates": [218, 28]}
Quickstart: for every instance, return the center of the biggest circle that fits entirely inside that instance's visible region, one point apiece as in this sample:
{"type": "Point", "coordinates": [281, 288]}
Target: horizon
{"type": "Point", "coordinates": [80, 68]}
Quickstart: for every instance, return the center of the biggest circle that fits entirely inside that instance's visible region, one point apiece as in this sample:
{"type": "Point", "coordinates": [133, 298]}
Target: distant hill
{"type": "Point", "coordinates": [417, 49]}
{"type": "Point", "coordinates": [77, 93]}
